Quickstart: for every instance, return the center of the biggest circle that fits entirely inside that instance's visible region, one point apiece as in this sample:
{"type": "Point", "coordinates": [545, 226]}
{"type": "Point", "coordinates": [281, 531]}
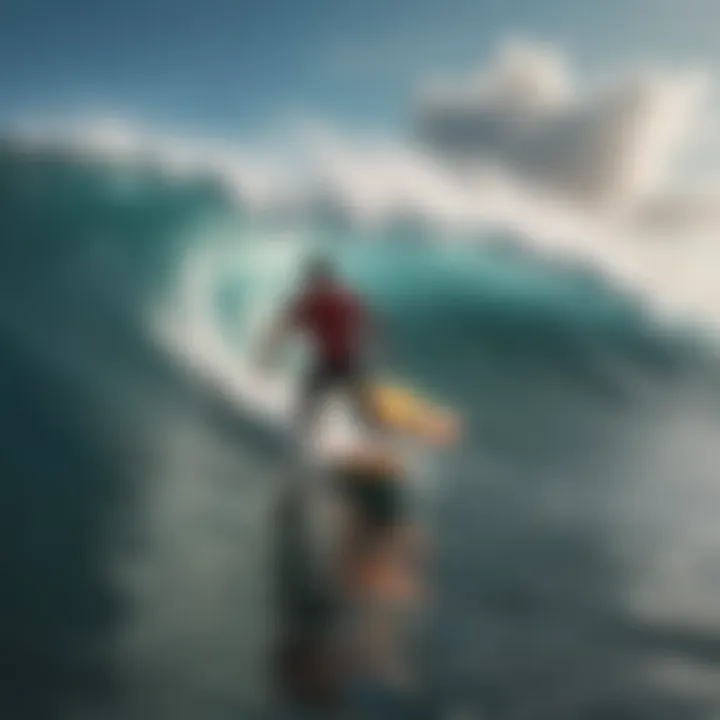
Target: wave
{"type": "Point", "coordinates": [587, 420]}
{"type": "Point", "coordinates": [205, 272]}
{"type": "Point", "coordinates": [321, 181]}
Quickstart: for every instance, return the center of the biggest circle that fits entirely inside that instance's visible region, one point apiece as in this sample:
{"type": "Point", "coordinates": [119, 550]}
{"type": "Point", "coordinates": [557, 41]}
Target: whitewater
{"type": "Point", "coordinates": [576, 535]}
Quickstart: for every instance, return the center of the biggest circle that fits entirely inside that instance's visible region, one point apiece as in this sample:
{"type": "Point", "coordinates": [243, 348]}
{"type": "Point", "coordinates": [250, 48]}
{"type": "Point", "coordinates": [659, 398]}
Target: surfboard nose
{"type": "Point", "coordinates": [400, 409]}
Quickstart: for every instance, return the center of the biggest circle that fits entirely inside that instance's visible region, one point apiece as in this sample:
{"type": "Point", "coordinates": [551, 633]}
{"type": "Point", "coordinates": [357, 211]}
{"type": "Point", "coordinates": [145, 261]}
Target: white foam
{"type": "Point", "coordinates": [374, 182]}
{"type": "Point", "coordinates": [186, 324]}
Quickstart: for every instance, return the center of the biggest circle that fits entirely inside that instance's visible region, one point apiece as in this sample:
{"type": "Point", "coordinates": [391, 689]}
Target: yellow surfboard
{"type": "Point", "coordinates": [402, 409]}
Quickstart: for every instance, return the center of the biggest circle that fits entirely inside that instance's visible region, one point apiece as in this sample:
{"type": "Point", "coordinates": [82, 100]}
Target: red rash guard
{"type": "Point", "coordinates": [333, 317]}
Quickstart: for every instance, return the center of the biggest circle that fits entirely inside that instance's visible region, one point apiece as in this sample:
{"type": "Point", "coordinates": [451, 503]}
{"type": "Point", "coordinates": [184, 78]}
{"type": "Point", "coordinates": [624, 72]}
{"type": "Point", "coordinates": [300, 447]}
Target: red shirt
{"type": "Point", "coordinates": [333, 317]}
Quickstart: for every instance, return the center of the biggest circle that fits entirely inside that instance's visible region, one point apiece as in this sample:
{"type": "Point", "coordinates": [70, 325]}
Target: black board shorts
{"type": "Point", "coordinates": [376, 498]}
{"type": "Point", "coordinates": [328, 374]}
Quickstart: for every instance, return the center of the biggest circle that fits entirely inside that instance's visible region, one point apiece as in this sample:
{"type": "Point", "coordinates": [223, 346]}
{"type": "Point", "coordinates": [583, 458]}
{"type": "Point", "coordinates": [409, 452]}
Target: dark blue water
{"type": "Point", "coordinates": [576, 549]}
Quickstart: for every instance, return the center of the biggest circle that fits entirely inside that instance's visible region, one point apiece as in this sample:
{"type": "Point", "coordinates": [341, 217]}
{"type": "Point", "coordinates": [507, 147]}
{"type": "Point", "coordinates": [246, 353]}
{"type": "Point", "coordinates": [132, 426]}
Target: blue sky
{"type": "Point", "coordinates": [236, 66]}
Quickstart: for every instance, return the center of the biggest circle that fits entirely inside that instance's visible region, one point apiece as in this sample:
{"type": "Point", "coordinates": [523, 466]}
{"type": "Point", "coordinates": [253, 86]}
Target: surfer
{"type": "Point", "coordinates": [381, 575]}
{"type": "Point", "coordinates": [336, 321]}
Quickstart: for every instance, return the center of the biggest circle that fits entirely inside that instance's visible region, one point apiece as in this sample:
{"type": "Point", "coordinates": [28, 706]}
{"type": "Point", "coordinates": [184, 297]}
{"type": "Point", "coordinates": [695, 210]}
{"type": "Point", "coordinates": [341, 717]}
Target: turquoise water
{"type": "Point", "coordinates": [574, 527]}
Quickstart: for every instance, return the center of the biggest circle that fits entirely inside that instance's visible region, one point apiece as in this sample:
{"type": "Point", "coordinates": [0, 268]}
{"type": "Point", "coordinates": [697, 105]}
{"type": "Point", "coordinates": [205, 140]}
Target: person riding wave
{"type": "Point", "coordinates": [379, 578]}
{"type": "Point", "coordinates": [338, 324]}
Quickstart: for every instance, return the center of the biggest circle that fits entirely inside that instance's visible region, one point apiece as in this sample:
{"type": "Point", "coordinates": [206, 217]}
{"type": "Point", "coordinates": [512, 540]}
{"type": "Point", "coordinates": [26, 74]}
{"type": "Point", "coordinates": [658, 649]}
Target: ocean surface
{"type": "Point", "coordinates": [576, 540]}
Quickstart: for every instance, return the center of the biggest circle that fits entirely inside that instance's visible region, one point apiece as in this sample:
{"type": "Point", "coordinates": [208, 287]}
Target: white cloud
{"type": "Point", "coordinates": [609, 145]}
